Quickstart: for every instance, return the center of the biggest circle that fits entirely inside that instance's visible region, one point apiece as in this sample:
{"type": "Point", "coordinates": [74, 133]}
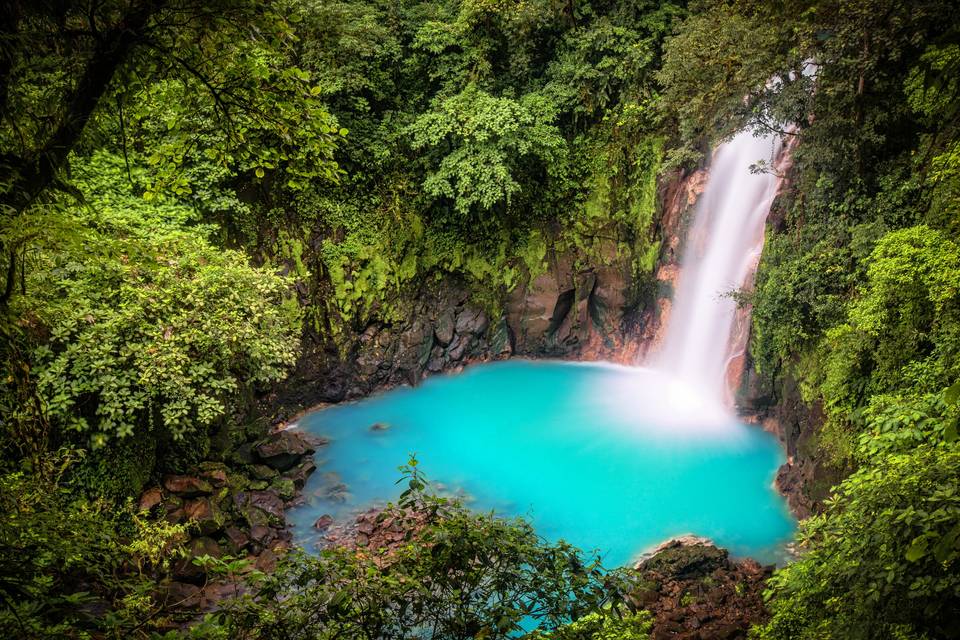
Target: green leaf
{"type": "Point", "coordinates": [952, 394]}
{"type": "Point", "coordinates": [917, 550]}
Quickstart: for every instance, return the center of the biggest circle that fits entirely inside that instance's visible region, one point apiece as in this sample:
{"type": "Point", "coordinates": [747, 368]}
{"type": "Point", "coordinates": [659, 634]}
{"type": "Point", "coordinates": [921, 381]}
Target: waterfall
{"type": "Point", "coordinates": [687, 385]}
{"type": "Point", "coordinates": [721, 253]}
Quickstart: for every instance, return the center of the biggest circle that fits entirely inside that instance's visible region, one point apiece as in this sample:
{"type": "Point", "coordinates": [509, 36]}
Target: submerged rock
{"type": "Point", "coordinates": [301, 472]}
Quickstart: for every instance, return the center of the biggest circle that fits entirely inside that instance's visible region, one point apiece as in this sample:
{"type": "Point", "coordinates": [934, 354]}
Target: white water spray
{"type": "Point", "coordinates": [687, 388]}
{"type": "Point", "coordinates": [722, 250]}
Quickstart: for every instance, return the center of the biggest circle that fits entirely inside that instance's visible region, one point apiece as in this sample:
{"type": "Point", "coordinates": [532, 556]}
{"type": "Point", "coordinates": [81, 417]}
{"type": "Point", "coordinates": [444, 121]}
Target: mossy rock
{"type": "Point", "coordinates": [262, 472]}
{"type": "Point", "coordinates": [284, 488]}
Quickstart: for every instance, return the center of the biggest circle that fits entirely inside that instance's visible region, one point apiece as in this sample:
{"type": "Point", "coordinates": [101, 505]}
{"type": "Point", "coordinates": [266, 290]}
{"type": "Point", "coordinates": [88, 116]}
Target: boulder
{"type": "Point", "coordinates": [459, 346]}
{"type": "Point", "coordinates": [262, 472]}
{"type": "Point", "coordinates": [205, 514]}
{"type": "Point", "coordinates": [239, 540]}
{"type": "Point", "coordinates": [259, 507]}
{"type": "Point", "coordinates": [471, 321]}
{"type": "Point", "coordinates": [214, 472]}
{"type": "Point", "coordinates": [323, 522]}
{"type": "Point", "coordinates": [284, 487]}
{"type": "Point", "coordinates": [261, 535]}
{"type": "Point", "coordinates": [694, 591]}
{"type": "Point", "coordinates": [301, 472]}
{"type": "Point", "coordinates": [443, 330]}
{"type": "Point", "coordinates": [150, 498]}
{"type": "Point", "coordinates": [283, 449]}
{"type": "Point", "coordinates": [187, 486]}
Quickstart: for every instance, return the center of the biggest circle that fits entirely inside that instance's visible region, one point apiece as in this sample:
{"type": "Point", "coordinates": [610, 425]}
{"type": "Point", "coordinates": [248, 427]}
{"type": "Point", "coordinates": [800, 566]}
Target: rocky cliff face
{"type": "Point", "coordinates": [582, 309]}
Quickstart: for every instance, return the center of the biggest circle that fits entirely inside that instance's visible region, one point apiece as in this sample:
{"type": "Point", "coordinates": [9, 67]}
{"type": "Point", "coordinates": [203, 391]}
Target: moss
{"type": "Point", "coordinates": [117, 470]}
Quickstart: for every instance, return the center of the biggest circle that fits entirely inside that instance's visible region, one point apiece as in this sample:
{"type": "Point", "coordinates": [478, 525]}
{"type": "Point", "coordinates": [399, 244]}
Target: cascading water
{"type": "Point", "coordinates": [722, 250]}
{"type": "Point", "coordinates": [646, 453]}
{"type": "Point", "coordinates": [687, 384]}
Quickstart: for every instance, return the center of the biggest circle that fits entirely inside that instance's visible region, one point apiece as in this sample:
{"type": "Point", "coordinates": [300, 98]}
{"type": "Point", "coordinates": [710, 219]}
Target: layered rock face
{"type": "Point", "coordinates": [578, 309]}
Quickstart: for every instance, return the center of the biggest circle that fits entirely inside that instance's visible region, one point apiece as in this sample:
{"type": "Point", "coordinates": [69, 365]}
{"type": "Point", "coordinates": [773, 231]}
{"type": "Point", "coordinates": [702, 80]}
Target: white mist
{"type": "Point", "coordinates": [722, 249]}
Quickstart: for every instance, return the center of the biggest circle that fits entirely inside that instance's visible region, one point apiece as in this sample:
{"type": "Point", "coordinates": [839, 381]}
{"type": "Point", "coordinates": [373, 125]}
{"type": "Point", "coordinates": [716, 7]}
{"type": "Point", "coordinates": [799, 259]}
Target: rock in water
{"type": "Point", "coordinates": [283, 449]}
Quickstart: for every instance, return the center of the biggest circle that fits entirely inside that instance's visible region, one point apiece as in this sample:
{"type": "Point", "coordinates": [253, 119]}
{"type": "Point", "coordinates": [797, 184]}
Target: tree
{"type": "Point", "coordinates": [484, 142]}
{"type": "Point", "coordinates": [145, 323]}
{"type": "Point", "coordinates": [62, 64]}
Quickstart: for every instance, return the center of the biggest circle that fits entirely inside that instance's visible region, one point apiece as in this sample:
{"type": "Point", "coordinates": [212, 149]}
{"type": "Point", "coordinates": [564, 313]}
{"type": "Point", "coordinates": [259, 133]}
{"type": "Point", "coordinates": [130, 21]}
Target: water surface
{"type": "Point", "coordinates": [586, 452]}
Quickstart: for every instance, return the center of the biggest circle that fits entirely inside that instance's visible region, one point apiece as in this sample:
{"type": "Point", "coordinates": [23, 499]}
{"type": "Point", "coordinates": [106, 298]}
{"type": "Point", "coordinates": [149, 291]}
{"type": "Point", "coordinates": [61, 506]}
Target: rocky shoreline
{"type": "Point", "coordinates": [236, 506]}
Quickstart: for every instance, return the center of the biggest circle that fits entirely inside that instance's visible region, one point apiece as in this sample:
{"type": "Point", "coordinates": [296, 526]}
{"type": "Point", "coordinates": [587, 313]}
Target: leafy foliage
{"type": "Point", "coordinates": [64, 559]}
{"type": "Point", "coordinates": [149, 322]}
{"type": "Point", "coordinates": [883, 558]}
{"type": "Point", "coordinates": [484, 140]}
{"type": "Point", "coordinates": [456, 574]}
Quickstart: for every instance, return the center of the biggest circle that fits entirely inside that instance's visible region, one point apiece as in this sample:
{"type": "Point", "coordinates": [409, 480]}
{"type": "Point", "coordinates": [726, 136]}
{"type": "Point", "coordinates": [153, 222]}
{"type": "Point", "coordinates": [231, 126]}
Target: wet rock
{"type": "Point", "coordinates": [262, 472]}
{"type": "Point", "coordinates": [379, 426]}
{"type": "Point", "coordinates": [187, 486]}
{"type": "Point", "coordinates": [150, 498]}
{"type": "Point", "coordinates": [259, 507]}
{"type": "Point", "coordinates": [283, 449]}
{"type": "Point", "coordinates": [500, 341]}
{"type": "Point", "coordinates": [457, 349]}
{"type": "Point", "coordinates": [206, 516]}
{"type": "Point", "coordinates": [443, 331]}
{"type": "Point", "coordinates": [284, 487]}
{"type": "Point", "coordinates": [301, 472]}
{"type": "Point", "coordinates": [323, 522]}
{"type": "Point", "coordinates": [471, 321]}
{"type": "Point", "coordinates": [435, 365]}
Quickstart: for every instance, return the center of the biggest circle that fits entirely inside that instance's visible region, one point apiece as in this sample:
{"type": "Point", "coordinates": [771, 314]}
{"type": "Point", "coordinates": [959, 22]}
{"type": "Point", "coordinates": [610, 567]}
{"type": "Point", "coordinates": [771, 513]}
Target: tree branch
{"type": "Point", "coordinates": [36, 172]}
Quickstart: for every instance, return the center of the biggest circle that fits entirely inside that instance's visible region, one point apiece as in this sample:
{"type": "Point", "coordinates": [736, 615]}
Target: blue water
{"type": "Point", "coordinates": [576, 448]}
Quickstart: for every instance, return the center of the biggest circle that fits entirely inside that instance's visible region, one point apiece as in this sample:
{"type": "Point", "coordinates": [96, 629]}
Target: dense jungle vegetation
{"type": "Point", "coordinates": [190, 187]}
